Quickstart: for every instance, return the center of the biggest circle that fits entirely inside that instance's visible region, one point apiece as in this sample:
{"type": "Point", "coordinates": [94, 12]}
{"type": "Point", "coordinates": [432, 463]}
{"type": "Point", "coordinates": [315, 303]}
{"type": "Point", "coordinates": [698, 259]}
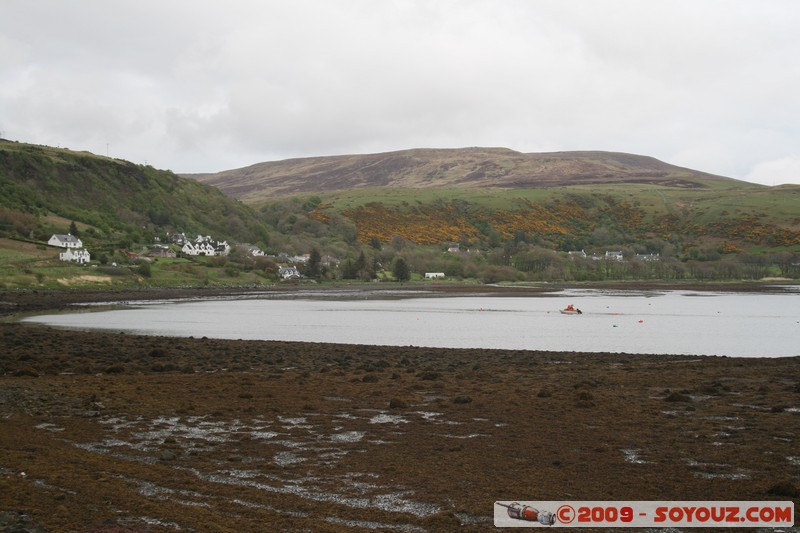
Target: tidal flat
{"type": "Point", "coordinates": [119, 432]}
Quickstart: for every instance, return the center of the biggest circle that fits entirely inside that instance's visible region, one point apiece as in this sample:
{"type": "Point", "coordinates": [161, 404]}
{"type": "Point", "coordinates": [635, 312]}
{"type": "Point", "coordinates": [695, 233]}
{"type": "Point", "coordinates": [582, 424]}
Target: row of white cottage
{"type": "Point", "coordinates": [202, 245]}
{"type": "Point", "coordinates": [614, 256]}
{"type": "Point", "coordinates": [205, 245]}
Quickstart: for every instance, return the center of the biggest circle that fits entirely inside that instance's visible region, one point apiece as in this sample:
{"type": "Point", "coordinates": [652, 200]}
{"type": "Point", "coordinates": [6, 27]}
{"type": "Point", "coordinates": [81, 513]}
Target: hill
{"type": "Point", "coordinates": [488, 196]}
{"type": "Point", "coordinates": [499, 214]}
{"type": "Point", "coordinates": [43, 189]}
{"type": "Point", "coordinates": [467, 168]}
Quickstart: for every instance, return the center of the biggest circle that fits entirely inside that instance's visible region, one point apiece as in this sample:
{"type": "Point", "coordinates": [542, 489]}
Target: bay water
{"type": "Point", "coordinates": [646, 322]}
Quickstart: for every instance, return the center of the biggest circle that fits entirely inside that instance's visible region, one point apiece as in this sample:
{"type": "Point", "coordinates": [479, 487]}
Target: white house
{"type": "Point", "coordinates": [79, 256]}
{"type": "Point", "coordinates": [202, 248]}
{"type": "Point", "coordinates": [206, 246]}
{"type": "Point", "coordinates": [288, 272]}
{"type": "Point", "coordinates": [434, 275]}
{"type": "Point", "coordinates": [577, 253]}
{"type": "Point", "coordinates": [65, 241]}
{"type": "Point", "coordinates": [255, 251]}
{"type": "Point", "coordinates": [222, 248]}
{"type": "Point", "coordinates": [329, 261]}
{"type": "Point", "coordinates": [179, 238]}
{"type": "Point", "coordinates": [613, 256]}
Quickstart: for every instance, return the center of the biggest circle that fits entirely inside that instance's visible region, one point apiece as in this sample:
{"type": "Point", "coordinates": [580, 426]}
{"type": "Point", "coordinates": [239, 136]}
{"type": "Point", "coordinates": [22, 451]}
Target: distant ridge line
{"type": "Point", "coordinates": [473, 167]}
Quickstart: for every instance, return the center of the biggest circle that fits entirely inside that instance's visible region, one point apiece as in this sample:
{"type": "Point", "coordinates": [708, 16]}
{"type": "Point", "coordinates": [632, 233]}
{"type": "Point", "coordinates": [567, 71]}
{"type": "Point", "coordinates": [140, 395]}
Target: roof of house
{"type": "Point", "coordinates": [66, 238]}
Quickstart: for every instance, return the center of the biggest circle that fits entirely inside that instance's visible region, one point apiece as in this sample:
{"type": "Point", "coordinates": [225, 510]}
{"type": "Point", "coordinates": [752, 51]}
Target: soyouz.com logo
{"type": "Point", "coordinates": [643, 514]}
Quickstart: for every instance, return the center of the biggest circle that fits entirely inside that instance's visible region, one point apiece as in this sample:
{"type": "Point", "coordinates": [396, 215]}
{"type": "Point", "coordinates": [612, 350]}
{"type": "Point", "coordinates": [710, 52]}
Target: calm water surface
{"type": "Point", "coordinates": [671, 322]}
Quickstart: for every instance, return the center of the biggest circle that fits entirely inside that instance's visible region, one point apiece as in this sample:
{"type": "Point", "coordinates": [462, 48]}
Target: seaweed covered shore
{"type": "Point", "coordinates": [114, 432]}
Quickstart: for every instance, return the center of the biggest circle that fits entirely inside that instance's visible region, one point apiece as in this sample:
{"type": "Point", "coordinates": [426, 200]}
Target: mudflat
{"type": "Point", "coordinates": [114, 432]}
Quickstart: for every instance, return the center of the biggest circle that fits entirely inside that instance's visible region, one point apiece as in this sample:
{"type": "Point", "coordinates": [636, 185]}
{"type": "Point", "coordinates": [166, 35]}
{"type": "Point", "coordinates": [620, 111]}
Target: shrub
{"type": "Point", "coordinates": [144, 270]}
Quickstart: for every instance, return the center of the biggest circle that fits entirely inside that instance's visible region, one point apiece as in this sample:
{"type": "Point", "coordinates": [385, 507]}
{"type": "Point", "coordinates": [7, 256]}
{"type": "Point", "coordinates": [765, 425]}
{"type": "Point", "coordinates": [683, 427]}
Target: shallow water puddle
{"type": "Point", "coordinates": [291, 423]}
{"type": "Point", "coordinates": [723, 475]}
{"type": "Point", "coordinates": [469, 436]}
{"type": "Point", "coordinates": [265, 435]}
{"type": "Point", "coordinates": [49, 427]}
{"type": "Point", "coordinates": [390, 501]}
{"type": "Point", "coordinates": [708, 470]}
{"type": "Point", "coordinates": [372, 525]}
{"type": "Point", "coordinates": [347, 436]}
{"type": "Point", "coordinates": [106, 450]}
{"type": "Point", "coordinates": [293, 445]}
{"type": "Point", "coordinates": [150, 489]}
{"type": "Point", "coordinates": [433, 417]}
{"type": "Point", "coordinates": [287, 458]}
{"type": "Point", "coordinates": [384, 418]}
{"type": "Point", "coordinates": [750, 406]}
{"type": "Point", "coordinates": [633, 456]}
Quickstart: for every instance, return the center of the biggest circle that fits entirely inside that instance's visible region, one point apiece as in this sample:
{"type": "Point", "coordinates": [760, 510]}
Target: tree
{"type": "Point", "coordinates": [348, 270]}
{"type": "Point", "coordinates": [73, 229]}
{"type": "Point", "coordinates": [358, 269]}
{"type": "Point", "coordinates": [361, 262]}
{"type": "Point", "coordinates": [401, 270]}
{"type": "Point", "coordinates": [312, 267]}
{"type": "Point", "coordinates": [144, 270]}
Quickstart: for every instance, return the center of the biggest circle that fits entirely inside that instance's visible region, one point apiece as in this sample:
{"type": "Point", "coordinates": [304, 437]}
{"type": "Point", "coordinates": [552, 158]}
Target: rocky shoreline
{"type": "Point", "coordinates": [115, 432]}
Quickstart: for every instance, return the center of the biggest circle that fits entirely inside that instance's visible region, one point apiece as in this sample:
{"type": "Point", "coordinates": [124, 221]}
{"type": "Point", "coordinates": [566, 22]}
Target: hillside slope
{"type": "Point", "coordinates": [486, 196]}
{"type": "Point", "coordinates": [114, 196]}
{"type": "Point", "coordinates": [512, 216]}
{"type": "Point", "coordinates": [447, 168]}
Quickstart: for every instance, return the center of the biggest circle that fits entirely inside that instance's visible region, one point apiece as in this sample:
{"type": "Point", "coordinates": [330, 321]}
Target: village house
{"type": "Point", "coordinates": [159, 250]}
{"type": "Point", "coordinates": [577, 253]}
{"type": "Point", "coordinates": [434, 275]}
{"type": "Point", "coordinates": [255, 251]}
{"type": "Point", "coordinates": [329, 261]}
{"type": "Point", "coordinates": [65, 241]}
{"type": "Point", "coordinates": [205, 245]}
{"type": "Point", "coordinates": [198, 248]}
{"type": "Point", "coordinates": [283, 257]}
{"type": "Point", "coordinates": [613, 256]}
{"type": "Point", "coordinates": [222, 248]}
{"type": "Point", "coordinates": [648, 257]}
{"type": "Point", "coordinates": [179, 238]}
{"type": "Point", "coordinates": [288, 272]}
{"type": "Point", "coordinates": [78, 256]}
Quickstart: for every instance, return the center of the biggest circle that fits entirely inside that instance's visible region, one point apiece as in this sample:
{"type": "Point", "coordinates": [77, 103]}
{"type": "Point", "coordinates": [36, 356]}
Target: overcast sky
{"type": "Point", "coordinates": [204, 86]}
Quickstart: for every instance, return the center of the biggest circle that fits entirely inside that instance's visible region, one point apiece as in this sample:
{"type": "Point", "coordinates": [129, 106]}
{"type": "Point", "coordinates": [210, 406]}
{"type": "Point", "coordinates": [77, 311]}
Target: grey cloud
{"type": "Point", "coordinates": [203, 86]}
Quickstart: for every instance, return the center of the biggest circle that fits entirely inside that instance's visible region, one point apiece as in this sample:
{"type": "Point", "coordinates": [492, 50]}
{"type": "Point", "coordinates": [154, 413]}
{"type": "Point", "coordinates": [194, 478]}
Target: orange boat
{"type": "Point", "coordinates": [571, 310]}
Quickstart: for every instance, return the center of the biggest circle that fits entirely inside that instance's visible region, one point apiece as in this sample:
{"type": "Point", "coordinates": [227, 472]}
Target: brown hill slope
{"type": "Point", "coordinates": [438, 168]}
